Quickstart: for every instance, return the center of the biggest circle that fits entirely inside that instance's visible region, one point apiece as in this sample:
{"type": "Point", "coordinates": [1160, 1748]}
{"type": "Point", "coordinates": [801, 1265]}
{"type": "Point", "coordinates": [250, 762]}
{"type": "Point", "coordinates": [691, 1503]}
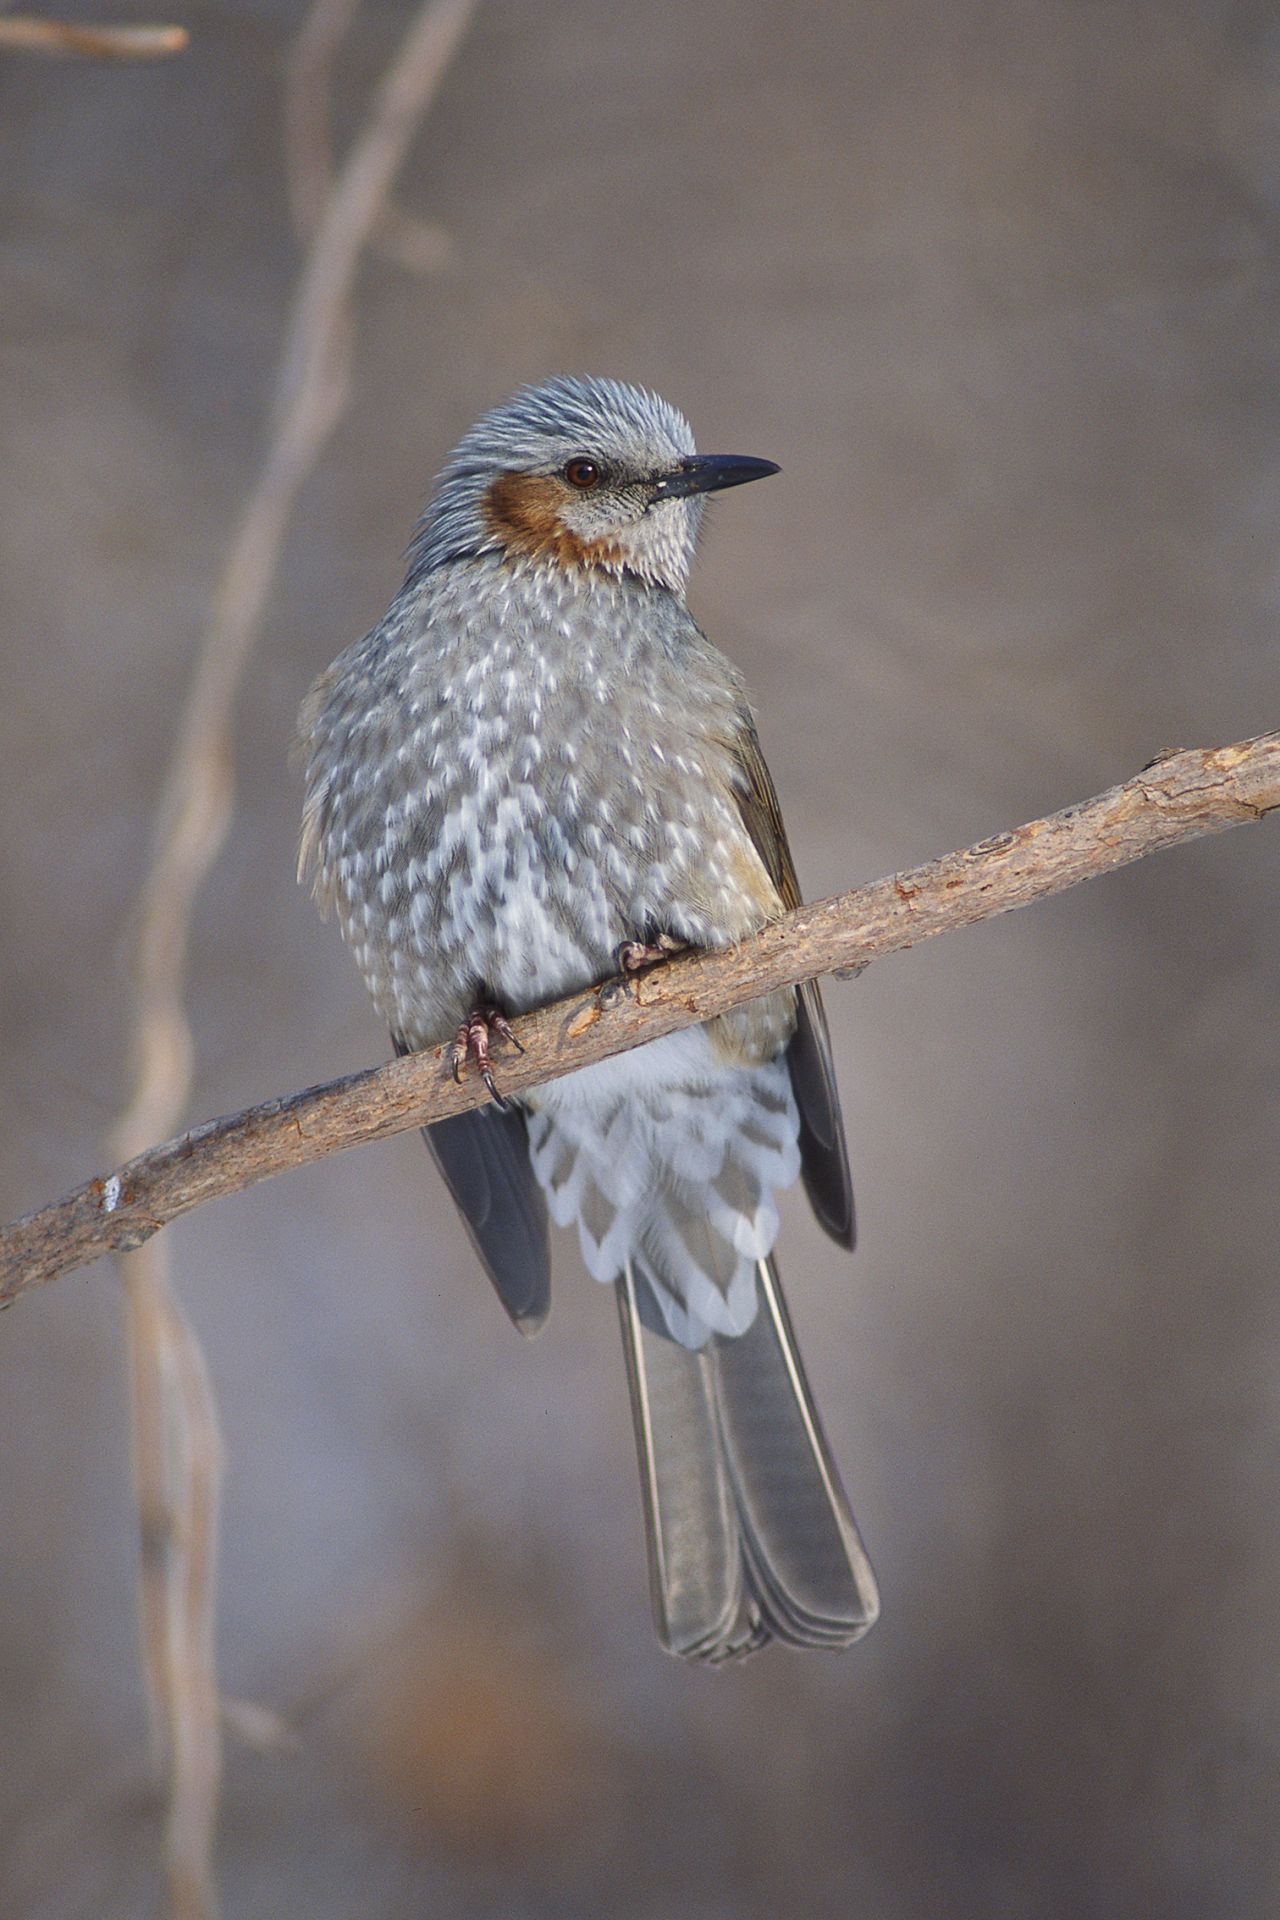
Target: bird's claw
{"type": "Point", "coordinates": [473, 1041]}
{"type": "Point", "coordinates": [633, 956]}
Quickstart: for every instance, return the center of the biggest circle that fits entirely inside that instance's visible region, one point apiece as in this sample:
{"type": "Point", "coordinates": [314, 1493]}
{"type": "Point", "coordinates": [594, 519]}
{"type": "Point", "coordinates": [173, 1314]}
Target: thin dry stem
{"type": "Point", "coordinates": [417, 246]}
{"type": "Point", "coordinates": [308, 81]}
{"type": "Point", "coordinates": [178, 1475]}
{"type": "Point", "coordinates": [177, 1450]}
{"type": "Point", "coordinates": [1180, 797]}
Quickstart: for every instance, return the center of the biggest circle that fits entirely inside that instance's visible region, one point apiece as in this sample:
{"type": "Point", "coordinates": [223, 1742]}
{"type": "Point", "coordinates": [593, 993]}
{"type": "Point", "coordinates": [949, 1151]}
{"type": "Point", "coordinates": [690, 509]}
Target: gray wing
{"type": "Point", "coordinates": [824, 1158]}
{"type": "Point", "coordinates": [484, 1158]}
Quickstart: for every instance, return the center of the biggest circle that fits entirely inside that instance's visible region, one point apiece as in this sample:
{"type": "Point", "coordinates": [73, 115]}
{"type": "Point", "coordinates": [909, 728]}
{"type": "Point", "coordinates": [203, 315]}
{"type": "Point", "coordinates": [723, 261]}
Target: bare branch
{"type": "Point", "coordinates": [308, 82]}
{"type": "Point", "coordinates": [66, 40]}
{"type": "Point", "coordinates": [1179, 797]}
{"type": "Point", "coordinates": [416, 246]}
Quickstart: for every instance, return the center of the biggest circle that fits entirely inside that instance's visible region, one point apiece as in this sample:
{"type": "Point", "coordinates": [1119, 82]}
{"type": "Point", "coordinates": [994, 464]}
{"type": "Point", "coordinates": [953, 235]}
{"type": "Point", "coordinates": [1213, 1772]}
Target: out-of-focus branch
{"type": "Point", "coordinates": [308, 83]}
{"type": "Point", "coordinates": [417, 246]}
{"type": "Point", "coordinates": [67, 40]}
{"type": "Point", "coordinates": [177, 1452]}
{"type": "Point", "coordinates": [1179, 797]}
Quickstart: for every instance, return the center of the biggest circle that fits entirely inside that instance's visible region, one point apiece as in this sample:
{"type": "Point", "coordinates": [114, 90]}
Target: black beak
{"type": "Point", "coordinates": [710, 472]}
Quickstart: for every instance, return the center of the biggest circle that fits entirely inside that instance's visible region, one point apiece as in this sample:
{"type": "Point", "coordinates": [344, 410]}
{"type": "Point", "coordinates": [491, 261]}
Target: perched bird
{"type": "Point", "coordinates": [535, 769]}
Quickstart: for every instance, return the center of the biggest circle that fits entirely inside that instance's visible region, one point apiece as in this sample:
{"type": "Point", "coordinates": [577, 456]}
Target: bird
{"type": "Point", "coordinates": [536, 772]}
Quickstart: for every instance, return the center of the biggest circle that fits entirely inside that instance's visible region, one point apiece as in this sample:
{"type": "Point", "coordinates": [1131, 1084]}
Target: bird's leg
{"type": "Point", "coordinates": [472, 1042]}
{"type": "Point", "coordinates": [633, 956]}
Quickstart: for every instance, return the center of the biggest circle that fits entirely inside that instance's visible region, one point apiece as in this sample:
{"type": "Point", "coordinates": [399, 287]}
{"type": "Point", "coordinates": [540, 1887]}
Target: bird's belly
{"type": "Point", "coordinates": [545, 943]}
{"type": "Point", "coordinates": [506, 903]}
{"type": "Point", "coordinates": [525, 889]}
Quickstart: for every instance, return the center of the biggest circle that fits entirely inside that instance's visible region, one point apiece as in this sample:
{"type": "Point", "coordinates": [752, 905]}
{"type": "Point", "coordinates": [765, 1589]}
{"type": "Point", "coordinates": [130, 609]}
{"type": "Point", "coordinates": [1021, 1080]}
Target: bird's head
{"type": "Point", "coordinates": [580, 474]}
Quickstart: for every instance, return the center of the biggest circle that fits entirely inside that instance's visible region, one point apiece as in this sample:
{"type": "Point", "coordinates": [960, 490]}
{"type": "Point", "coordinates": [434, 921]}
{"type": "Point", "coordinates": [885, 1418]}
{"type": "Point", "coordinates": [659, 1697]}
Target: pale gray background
{"type": "Point", "coordinates": [997, 285]}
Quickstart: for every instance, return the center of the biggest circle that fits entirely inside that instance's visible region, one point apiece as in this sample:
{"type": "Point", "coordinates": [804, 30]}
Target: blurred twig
{"type": "Point", "coordinates": [418, 246]}
{"type": "Point", "coordinates": [308, 79]}
{"type": "Point", "coordinates": [1181, 796]}
{"type": "Point", "coordinates": [65, 40]}
{"type": "Point", "coordinates": [177, 1452]}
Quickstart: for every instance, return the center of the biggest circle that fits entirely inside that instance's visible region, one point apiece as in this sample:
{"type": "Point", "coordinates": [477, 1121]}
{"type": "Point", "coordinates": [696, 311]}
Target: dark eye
{"type": "Point", "coordinates": [582, 473]}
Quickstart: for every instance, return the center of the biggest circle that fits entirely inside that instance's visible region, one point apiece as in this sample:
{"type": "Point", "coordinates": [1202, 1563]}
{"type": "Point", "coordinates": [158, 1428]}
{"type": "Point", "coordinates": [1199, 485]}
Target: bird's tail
{"type": "Point", "coordinates": [750, 1534]}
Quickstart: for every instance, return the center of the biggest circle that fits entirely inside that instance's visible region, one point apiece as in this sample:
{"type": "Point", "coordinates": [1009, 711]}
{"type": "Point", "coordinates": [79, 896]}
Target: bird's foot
{"type": "Point", "coordinates": [633, 956]}
{"type": "Point", "coordinates": [473, 1041]}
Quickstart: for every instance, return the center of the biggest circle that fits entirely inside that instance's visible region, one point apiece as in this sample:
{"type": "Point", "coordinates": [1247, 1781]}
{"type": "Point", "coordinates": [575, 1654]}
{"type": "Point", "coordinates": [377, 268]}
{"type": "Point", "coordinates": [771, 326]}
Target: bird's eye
{"type": "Point", "coordinates": [582, 473]}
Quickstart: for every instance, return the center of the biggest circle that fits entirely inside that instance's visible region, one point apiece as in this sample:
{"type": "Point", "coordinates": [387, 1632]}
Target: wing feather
{"type": "Point", "coordinates": [824, 1157]}
{"type": "Point", "coordinates": [484, 1158]}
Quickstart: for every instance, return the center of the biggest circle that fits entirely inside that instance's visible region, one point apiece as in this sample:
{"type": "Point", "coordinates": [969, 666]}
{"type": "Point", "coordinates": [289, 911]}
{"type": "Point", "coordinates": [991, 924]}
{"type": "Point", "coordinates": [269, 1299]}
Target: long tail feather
{"type": "Point", "coordinates": [805, 1560]}
{"type": "Point", "coordinates": [696, 1575]}
{"type": "Point", "coordinates": [749, 1531]}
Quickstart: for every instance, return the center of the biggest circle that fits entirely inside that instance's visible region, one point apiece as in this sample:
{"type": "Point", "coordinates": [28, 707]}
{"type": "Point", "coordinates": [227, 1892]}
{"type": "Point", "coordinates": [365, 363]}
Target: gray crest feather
{"type": "Point", "coordinates": [536, 431]}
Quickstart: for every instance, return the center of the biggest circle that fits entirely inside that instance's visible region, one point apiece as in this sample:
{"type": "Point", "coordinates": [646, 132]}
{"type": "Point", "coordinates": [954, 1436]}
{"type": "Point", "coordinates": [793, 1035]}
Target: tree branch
{"type": "Point", "coordinates": [1180, 796]}
{"type": "Point", "coordinates": [67, 39]}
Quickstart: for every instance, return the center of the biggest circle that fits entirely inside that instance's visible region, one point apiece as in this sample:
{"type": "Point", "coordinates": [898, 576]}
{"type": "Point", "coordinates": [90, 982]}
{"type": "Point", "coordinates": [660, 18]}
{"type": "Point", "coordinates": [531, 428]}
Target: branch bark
{"type": "Point", "coordinates": [1180, 796]}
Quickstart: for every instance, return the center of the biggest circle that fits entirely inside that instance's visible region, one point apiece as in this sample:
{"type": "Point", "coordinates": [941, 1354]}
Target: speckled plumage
{"type": "Point", "coordinates": [535, 757]}
{"type": "Point", "coordinates": [514, 773]}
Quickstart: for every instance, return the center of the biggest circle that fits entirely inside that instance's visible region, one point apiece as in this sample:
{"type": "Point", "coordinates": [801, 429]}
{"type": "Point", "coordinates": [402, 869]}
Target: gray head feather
{"type": "Point", "coordinates": [635, 437]}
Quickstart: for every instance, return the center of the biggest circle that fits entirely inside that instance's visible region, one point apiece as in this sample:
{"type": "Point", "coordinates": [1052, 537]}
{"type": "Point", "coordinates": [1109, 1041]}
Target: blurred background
{"type": "Point", "coordinates": [997, 284]}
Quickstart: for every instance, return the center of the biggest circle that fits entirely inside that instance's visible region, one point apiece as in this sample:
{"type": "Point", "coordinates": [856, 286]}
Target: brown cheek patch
{"type": "Point", "coordinates": [523, 509]}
